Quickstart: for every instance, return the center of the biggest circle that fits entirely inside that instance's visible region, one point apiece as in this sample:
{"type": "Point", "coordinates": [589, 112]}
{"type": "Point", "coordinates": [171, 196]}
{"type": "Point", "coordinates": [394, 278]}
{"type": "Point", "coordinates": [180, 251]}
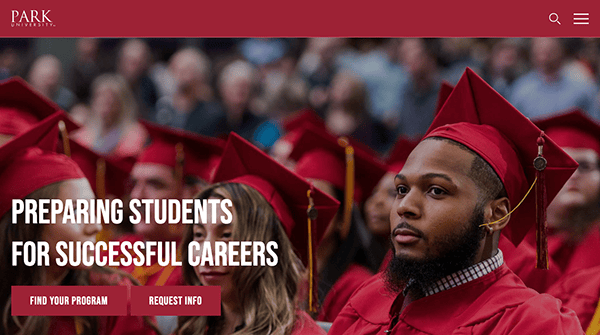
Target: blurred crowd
{"type": "Point", "coordinates": [373, 90]}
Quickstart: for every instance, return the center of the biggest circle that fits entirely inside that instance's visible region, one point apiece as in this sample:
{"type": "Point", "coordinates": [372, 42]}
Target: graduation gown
{"type": "Point", "coordinates": [497, 303]}
{"type": "Point", "coordinates": [521, 260]}
{"type": "Point", "coordinates": [153, 275]}
{"type": "Point", "coordinates": [108, 325]}
{"type": "Point", "coordinates": [580, 291]}
{"type": "Point", "coordinates": [341, 291]}
{"type": "Point", "coordinates": [586, 253]}
{"type": "Point", "coordinates": [305, 325]}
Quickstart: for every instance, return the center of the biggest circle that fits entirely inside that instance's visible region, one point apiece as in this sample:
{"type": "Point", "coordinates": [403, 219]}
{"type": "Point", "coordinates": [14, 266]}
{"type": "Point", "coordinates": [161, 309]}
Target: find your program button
{"type": "Point", "coordinates": [69, 300]}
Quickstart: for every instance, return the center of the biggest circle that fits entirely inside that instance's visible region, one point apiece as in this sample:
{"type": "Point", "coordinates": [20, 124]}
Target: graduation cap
{"type": "Point", "coordinates": [443, 94]}
{"type": "Point", "coordinates": [478, 117]}
{"type": "Point", "coordinates": [187, 153]}
{"type": "Point", "coordinates": [21, 107]}
{"type": "Point", "coordinates": [294, 199]}
{"type": "Point", "coordinates": [29, 161]}
{"type": "Point", "coordinates": [572, 129]}
{"type": "Point", "coordinates": [105, 176]}
{"type": "Point", "coordinates": [294, 124]}
{"type": "Point", "coordinates": [347, 165]}
{"type": "Point", "coordinates": [399, 153]}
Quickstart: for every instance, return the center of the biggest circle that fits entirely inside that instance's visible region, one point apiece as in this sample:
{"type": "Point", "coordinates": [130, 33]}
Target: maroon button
{"type": "Point", "coordinates": [69, 300]}
{"type": "Point", "coordinates": [176, 300]}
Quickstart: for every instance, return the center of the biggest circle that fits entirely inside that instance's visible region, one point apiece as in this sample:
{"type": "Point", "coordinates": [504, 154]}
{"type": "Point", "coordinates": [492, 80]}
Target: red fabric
{"type": "Point", "coordinates": [445, 90]}
{"type": "Point", "coordinates": [306, 326]}
{"type": "Point", "coordinates": [521, 260]}
{"type": "Point", "coordinates": [587, 253]}
{"type": "Point", "coordinates": [480, 118]}
{"type": "Point", "coordinates": [572, 129]}
{"type": "Point", "coordinates": [579, 291]}
{"type": "Point", "coordinates": [497, 303]}
{"type": "Point", "coordinates": [201, 154]}
{"type": "Point", "coordinates": [342, 290]}
{"type": "Point", "coordinates": [285, 191]}
{"type": "Point", "coordinates": [399, 153]}
{"type": "Point", "coordinates": [175, 278]}
{"type": "Point", "coordinates": [21, 107]}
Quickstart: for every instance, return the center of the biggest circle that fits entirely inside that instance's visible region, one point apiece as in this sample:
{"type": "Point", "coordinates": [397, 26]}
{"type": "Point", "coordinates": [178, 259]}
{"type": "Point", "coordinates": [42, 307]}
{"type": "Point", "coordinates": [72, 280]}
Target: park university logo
{"type": "Point", "coordinates": [31, 18]}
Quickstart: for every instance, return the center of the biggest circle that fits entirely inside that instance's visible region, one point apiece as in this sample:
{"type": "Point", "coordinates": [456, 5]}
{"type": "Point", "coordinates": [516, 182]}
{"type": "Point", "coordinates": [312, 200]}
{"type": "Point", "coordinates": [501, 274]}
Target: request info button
{"type": "Point", "coordinates": [69, 300]}
{"type": "Point", "coordinates": [176, 300]}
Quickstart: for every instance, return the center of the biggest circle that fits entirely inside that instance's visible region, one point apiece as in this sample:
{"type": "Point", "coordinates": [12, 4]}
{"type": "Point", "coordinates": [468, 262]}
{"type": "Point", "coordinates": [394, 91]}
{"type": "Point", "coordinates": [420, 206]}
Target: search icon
{"type": "Point", "coordinates": [555, 20]}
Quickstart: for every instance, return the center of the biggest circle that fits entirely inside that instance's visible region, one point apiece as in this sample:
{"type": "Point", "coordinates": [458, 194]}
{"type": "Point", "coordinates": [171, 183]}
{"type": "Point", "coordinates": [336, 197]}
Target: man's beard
{"type": "Point", "coordinates": [454, 252]}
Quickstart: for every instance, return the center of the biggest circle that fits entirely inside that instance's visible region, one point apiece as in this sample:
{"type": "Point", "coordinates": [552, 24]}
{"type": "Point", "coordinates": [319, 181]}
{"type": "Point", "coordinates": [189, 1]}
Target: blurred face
{"type": "Point", "coordinates": [153, 181]}
{"type": "Point", "coordinates": [379, 206]}
{"type": "Point", "coordinates": [53, 233]}
{"type": "Point", "coordinates": [236, 91]}
{"type": "Point", "coordinates": [185, 71]}
{"type": "Point", "coordinates": [132, 63]}
{"type": "Point", "coordinates": [547, 54]}
{"type": "Point", "coordinates": [211, 233]}
{"type": "Point", "coordinates": [582, 190]}
{"type": "Point", "coordinates": [105, 103]}
{"type": "Point", "coordinates": [435, 204]}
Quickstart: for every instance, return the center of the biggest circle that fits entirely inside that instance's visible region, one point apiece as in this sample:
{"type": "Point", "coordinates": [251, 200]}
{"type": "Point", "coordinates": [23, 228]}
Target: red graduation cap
{"type": "Point", "coordinates": [105, 176]}
{"type": "Point", "coordinates": [196, 155]}
{"type": "Point", "coordinates": [290, 195]}
{"type": "Point", "coordinates": [476, 116]}
{"type": "Point", "coordinates": [399, 153]}
{"type": "Point", "coordinates": [443, 94]}
{"type": "Point", "coordinates": [29, 161]}
{"type": "Point", "coordinates": [294, 124]}
{"type": "Point", "coordinates": [347, 165]}
{"type": "Point", "coordinates": [21, 107]}
{"type": "Point", "coordinates": [572, 129]}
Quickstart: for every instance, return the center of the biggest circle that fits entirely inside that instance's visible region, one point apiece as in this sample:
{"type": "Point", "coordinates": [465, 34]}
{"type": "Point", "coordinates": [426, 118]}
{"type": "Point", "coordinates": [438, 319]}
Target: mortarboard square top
{"type": "Point", "coordinates": [572, 129]}
{"type": "Point", "coordinates": [29, 162]}
{"type": "Point", "coordinates": [201, 153]}
{"type": "Point", "coordinates": [322, 156]}
{"type": "Point", "coordinates": [478, 117]}
{"type": "Point", "coordinates": [21, 106]}
{"type": "Point", "coordinates": [286, 191]}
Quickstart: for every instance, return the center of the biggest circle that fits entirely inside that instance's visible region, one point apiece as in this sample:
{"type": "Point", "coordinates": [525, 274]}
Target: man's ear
{"type": "Point", "coordinates": [497, 212]}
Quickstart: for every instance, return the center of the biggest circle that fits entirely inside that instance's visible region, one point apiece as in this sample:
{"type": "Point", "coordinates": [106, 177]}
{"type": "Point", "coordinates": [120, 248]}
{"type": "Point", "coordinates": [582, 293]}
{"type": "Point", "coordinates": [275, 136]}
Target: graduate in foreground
{"type": "Point", "coordinates": [455, 195]}
{"type": "Point", "coordinates": [270, 203]}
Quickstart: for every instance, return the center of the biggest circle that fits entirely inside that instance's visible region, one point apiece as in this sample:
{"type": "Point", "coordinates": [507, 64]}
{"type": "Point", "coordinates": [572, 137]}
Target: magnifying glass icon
{"type": "Point", "coordinates": [553, 17]}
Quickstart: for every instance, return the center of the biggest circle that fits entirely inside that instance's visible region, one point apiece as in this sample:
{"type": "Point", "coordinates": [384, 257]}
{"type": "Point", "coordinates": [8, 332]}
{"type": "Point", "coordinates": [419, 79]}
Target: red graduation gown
{"type": "Point", "coordinates": [580, 291]}
{"type": "Point", "coordinates": [497, 303]}
{"type": "Point", "coordinates": [154, 275]}
{"type": "Point", "coordinates": [305, 325]}
{"type": "Point", "coordinates": [521, 260]}
{"type": "Point", "coordinates": [108, 325]}
{"type": "Point", "coordinates": [342, 290]}
{"type": "Point", "coordinates": [586, 253]}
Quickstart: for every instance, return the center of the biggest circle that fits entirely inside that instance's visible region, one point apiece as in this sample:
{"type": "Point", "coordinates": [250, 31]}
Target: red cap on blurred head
{"type": "Point", "coordinates": [399, 153]}
{"type": "Point", "coordinates": [21, 107]}
{"type": "Point", "coordinates": [572, 129]}
{"type": "Point", "coordinates": [476, 116]}
{"type": "Point", "coordinates": [323, 156]}
{"type": "Point", "coordinates": [105, 176]}
{"type": "Point", "coordinates": [286, 191]}
{"type": "Point", "coordinates": [29, 162]}
{"type": "Point", "coordinates": [201, 154]}
{"type": "Point", "coordinates": [294, 124]}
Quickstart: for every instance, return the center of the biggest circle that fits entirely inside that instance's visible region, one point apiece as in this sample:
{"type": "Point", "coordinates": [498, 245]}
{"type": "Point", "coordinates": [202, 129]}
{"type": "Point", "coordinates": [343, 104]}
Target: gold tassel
{"type": "Point", "coordinates": [312, 214]}
{"type": "Point", "coordinates": [65, 137]}
{"type": "Point", "coordinates": [349, 191]}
